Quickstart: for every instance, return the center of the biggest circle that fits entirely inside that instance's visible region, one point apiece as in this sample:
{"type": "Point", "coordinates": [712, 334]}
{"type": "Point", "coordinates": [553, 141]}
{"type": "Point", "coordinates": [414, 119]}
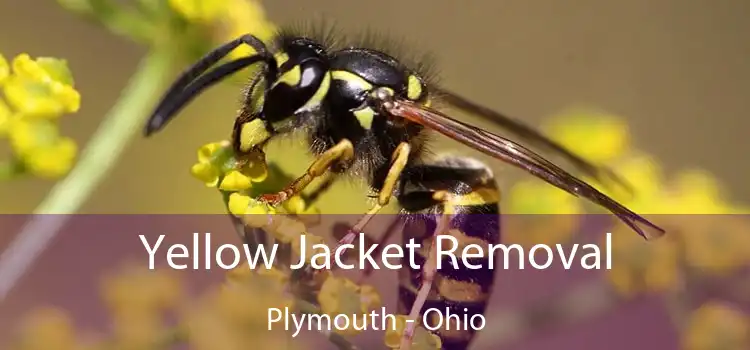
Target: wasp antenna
{"type": "Point", "coordinates": [170, 107]}
{"type": "Point", "coordinates": [186, 87]}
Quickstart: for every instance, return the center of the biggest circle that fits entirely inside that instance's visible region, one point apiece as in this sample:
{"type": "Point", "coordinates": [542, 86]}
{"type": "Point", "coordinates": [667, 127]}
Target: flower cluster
{"type": "Point", "coordinates": [48, 328]}
{"type": "Point", "coordinates": [138, 300]}
{"type": "Point", "coordinates": [241, 181]}
{"type": "Point", "coordinates": [191, 27]}
{"type": "Point", "coordinates": [422, 340]}
{"type": "Point", "coordinates": [695, 241]}
{"type": "Point", "coordinates": [229, 18]}
{"type": "Point", "coordinates": [235, 314]}
{"type": "Point", "coordinates": [717, 325]}
{"type": "Point", "coordinates": [37, 92]}
{"type": "Point", "coordinates": [535, 208]}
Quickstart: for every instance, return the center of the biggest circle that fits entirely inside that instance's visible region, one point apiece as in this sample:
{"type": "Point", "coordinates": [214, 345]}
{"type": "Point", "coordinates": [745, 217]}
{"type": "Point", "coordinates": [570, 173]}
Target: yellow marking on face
{"type": "Point", "coordinates": [291, 77]}
{"type": "Point", "coordinates": [351, 78]}
{"type": "Point", "coordinates": [253, 134]}
{"type": "Point", "coordinates": [320, 94]}
{"type": "Point", "coordinates": [479, 197]}
{"type": "Point", "coordinates": [389, 90]}
{"type": "Point", "coordinates": [257, 96]}
{"type": "Point", "coordinates": [413, 88]}
{"type": "Point", "coordinates": [365, 117]}
{"type": "Point", "coordinates": [281, 58]}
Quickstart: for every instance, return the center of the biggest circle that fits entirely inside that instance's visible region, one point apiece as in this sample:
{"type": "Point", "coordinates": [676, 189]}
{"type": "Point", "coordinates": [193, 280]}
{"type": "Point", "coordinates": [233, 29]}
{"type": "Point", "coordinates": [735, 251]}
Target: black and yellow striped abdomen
{"type": "Point", "coordinates": [473, 201]}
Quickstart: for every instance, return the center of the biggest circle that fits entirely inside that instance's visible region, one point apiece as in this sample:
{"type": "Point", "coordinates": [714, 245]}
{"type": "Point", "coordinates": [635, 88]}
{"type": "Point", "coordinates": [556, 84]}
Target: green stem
{"type": "Point", "coordinates": [121, 124]}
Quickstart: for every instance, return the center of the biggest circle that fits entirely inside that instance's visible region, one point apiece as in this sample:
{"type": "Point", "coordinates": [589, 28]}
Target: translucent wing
{"type": "Point", "coordinates": [530, 135]}
{"type": "Point", "coordinates": [519, 156]}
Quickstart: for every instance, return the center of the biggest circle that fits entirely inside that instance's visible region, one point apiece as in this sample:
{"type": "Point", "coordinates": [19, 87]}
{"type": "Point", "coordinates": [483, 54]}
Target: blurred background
{"type": "Point", "coordinates": [674, 71]}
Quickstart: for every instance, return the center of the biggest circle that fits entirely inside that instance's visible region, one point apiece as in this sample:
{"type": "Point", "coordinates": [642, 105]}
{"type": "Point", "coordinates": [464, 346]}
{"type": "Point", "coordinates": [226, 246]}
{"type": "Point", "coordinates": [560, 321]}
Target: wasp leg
{"type": "Point", "coordinates": [428, 273]}
{"type": "Point", "coordinates": [456, 197]}
{"type": "Point", "coordinates": [314, 195]}
{"type": "Point", "coordinates": [379, 241]}
{"type": "Point", "coordinates": [341, 152]}
{"type": "Point", "coordinates": [398, 162]}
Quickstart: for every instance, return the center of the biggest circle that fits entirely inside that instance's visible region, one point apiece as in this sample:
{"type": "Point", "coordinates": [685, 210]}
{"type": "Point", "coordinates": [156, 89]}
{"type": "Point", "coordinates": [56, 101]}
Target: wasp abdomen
{"type": "Point", "coordinates": [462, 285]}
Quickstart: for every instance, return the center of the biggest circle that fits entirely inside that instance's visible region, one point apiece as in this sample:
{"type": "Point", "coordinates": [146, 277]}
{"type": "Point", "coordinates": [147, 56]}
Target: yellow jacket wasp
{"type": "Point", "coordinates": [366, 114]}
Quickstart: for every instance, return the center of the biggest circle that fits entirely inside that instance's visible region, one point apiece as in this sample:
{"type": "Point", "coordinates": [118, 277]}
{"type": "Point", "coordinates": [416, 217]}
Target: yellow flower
{"type": "Point", "coordinates": [205, 172]}
{"type": "Point", "coordinates": [559, 214]}
{"type": "Point", "coordinates": [44, 69]}
{"type": "Point", "coordinates": [287, 229]}
{"type": "Point", "coordinates": [136, 288]}
{"type": "Point", "coordinates": [537, 197]}
{"type": "Point", "coordinates": [216, 161]}
{"type": "Point", "coordinates": [137, 328]}
{"type": "Point", "coordinates": [697, 192]}
{"type": "Point", "coordinates": [236, 314]}
{"type": "Point", "coordinates": [271, 279]}
{"type": "Point", "coordinates": [47, 329]}
{"type": "Point", "coordinates": [310, 241]}
{"type": "Point", "coordinates": [295, 205]}
{"type": "Point", "coordinates": [233, 317]}
{"type": "Point", "coordinates": [201, 11]}
{"type": "Point", "coordinates": [238, 204]}
{"type": "Point", "coordinates": [643, 173]}
{"type": "Point", "coordinates": [42, 87]}
{"type": "Point", "coordinates": [53, 161]}
{"type": "Point", "coordinates": [27, 135]}
{"type": "Point", "coordinates": [715, 244]}
{"type": "Point", "coordinates": [239, 274]}
{"type": "Point", "coordinates": [6, 116]}
{"type": "Point", "coordinates": [235, 181]}
{"type": "Point", "coordinates": [211, 157]}
{"type": "Point", "coordinates": [244, 17]}
{"type": "Point", "coordinates": [43, 151]}
{"type": "Point", "coordinates": [248, 303]}
{"type": "Point", "coordinates": [716, 326]}
{"type": "Point", "coordinates": [640, 266]}
{"type": "Point", "coordinates": [37, 92]}
{"type": "Point", "coordinates": [4, 69]}
{"type": "Point", "coordinates": [339, 295]}
{"type": "Point", "coordinates": [274, 277]}
{"type": "Point", "coordinates": [712, 243]}
{"type": "Point", "coordinates": [422, 339]}
{"type": "Point", "coordinates": [254, 213]}
{"type": "Point", "coordinates": [370, 298]}
{"type": "Point", "coordinates": [208, 329]}
{"type": "Point", "coordinates": [207, 152]}
{"type": "Point", "coordinates": [231, 18]}
{"type": "Point", "coordinates": [596, 136]}
{"type": "Point", "coordinates": [691, 192]}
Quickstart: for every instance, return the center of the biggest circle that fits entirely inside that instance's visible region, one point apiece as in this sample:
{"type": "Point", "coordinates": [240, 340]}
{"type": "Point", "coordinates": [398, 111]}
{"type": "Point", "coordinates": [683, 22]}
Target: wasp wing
{"type": "Point", "coordinates": [530, 135]}
{"type": "Point", "coordinates": [519, 156]}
